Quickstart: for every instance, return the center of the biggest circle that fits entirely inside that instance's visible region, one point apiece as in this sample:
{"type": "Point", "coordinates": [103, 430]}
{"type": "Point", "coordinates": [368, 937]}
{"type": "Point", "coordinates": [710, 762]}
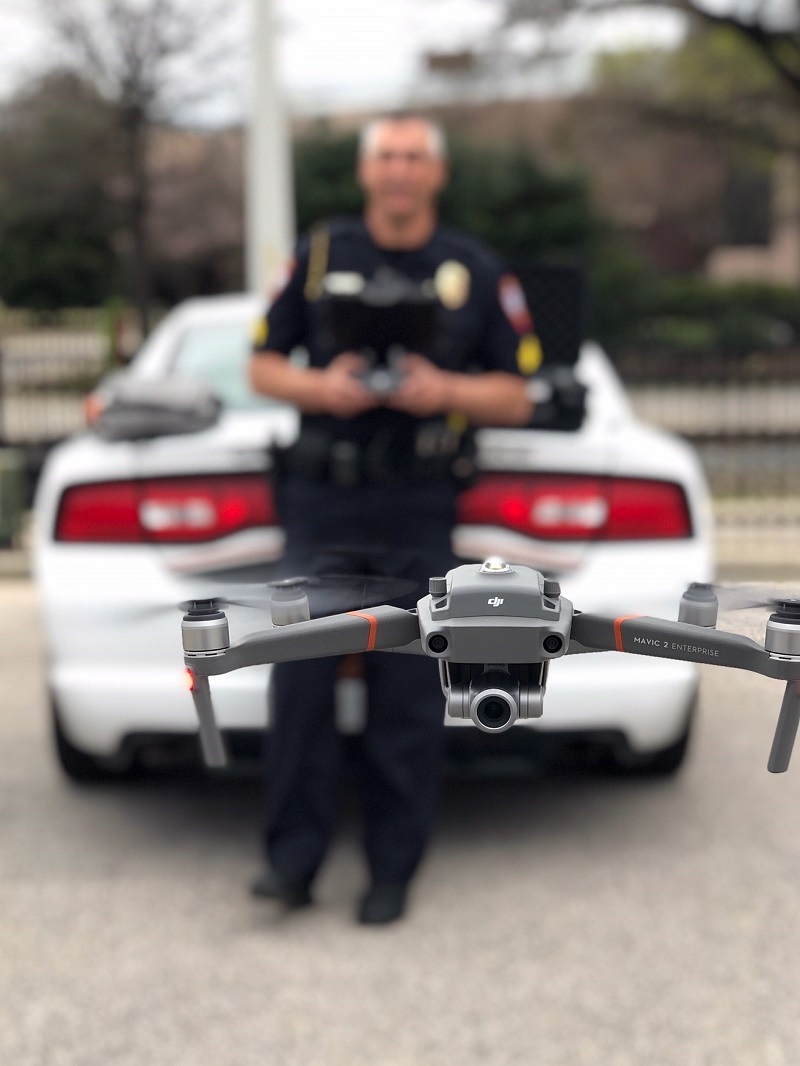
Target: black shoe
{"type": "Point", "coordinates": [291, 890]}
{"type": "Point", "coordinates": [383, 904]}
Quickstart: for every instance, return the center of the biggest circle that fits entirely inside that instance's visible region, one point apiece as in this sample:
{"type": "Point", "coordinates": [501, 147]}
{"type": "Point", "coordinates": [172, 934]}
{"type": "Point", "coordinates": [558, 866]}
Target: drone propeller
{"type": "Point", "coordinates": [290, 599]}
{"type": "Point", "coordinates": [204, 605]}
{"type": "Point", "coordinates": [741, 597]}
{"type": "Point", "coordinates": [748, 597]}
{"type": "Point", "coordinates": [325, 594]}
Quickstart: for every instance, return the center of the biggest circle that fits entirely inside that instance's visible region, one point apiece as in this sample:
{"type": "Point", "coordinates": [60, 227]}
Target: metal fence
{"type": "Point", "coordinates": [741, 412]}
{"type": "Point", "coordinates": [48, 363]}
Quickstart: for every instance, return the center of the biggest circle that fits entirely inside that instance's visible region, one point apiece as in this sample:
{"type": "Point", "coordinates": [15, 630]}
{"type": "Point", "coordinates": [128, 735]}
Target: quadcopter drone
{"type": "Point", "coordinates": [494, 629]}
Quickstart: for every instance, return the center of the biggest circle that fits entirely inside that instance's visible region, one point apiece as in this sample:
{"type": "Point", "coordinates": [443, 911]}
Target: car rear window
{"type": "Point", "coordinates": [217, 354]}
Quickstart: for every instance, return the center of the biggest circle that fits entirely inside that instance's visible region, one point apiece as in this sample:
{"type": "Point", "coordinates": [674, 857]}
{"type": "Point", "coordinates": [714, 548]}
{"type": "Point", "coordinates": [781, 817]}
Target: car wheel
{"type": "Point", "coordinates": [661, 763]}
{"type": "Point", "coordinates": [77, 764]}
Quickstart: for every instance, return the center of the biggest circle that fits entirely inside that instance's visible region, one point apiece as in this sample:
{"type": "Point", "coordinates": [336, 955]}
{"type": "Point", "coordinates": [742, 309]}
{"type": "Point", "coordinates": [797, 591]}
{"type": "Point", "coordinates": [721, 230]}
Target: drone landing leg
{"type": "Point", "coordinates": [210, 736]}
{"type": "Point", "coordinates": [786, 729]}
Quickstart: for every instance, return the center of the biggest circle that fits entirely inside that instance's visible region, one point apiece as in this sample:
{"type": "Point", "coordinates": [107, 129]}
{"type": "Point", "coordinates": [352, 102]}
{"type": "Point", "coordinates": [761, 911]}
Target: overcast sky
{"type": "Point", "coordinates": [331, 53]}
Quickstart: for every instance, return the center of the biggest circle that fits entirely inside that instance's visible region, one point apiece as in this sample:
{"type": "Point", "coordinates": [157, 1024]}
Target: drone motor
{"type": "Point", "coordinates": [204, 629]}
{"type": "Point", "coordinates": [783, 630]}
{"type": "Point", "coordinates": [289, 602]}
{"type": "Point", "coordinates": [699, 606]}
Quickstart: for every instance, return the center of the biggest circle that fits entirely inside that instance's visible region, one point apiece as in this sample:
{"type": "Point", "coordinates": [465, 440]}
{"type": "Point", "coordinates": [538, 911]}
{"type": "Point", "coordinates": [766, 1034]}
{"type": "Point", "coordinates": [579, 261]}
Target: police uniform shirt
{"type": "Point", "coordinates": [487, 326]}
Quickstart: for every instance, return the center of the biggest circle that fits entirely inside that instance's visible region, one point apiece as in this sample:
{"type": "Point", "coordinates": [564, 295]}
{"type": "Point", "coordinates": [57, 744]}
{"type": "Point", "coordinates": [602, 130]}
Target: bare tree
{"type": "Point", "coordinates": [57, 159]}
{"type": "Point", "coordinates": [149, 60]}
{"type": "Point", "coordinates": [758, 106]}
{"type": "Point", "coordinates": [772, 27]}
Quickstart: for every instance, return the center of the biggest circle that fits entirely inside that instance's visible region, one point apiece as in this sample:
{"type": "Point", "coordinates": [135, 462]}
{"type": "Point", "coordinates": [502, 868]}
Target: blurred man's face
{"type": "Point", "coordinates": [400, 172]}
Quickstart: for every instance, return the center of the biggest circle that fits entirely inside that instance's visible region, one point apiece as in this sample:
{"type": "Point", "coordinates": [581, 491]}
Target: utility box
{"type": "Point", "coordinates": [12, 493]}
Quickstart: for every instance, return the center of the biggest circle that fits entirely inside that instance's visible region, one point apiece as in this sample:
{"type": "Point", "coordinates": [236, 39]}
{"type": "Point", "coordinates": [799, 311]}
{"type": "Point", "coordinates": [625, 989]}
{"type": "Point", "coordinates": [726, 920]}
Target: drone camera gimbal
{"type": "Point", "coordinates": [494, 628]}
{"type": "Point", "coordinates": [496, 673]}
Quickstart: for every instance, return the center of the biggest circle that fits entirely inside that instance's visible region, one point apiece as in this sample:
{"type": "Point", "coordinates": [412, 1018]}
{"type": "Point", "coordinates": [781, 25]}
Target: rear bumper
{"type": "Point", "coordinates": [644, 700]}
{"type": "Point", "coordinates": [116, 668]}
{"type": "Point", "coordinates": [100, 707]}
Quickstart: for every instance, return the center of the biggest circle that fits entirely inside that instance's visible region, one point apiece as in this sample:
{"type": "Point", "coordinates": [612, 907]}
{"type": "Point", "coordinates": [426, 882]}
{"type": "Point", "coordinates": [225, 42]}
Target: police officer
{"type": "Point", "coordinates": [364, 475]}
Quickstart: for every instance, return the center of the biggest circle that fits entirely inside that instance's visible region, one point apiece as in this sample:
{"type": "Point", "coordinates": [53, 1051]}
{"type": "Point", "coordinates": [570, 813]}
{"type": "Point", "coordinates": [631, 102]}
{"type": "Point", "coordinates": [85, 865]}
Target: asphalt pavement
{"type": "Point", "coordinates": [562, 918]}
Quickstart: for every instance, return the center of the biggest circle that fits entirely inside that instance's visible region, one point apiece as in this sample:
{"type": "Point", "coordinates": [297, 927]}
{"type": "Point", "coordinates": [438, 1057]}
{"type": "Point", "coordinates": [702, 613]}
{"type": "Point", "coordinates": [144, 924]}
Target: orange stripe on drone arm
{"type": "Point", "coordinates": [618, 628]}
{"type": "Point", "coordinates": [373, 627]}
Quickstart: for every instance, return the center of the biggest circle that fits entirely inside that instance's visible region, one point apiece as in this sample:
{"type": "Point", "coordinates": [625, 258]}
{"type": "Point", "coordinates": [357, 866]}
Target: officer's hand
{"type": "Point", "coordinates": [424, 390]}
{"type": "Point", "coordinates": [341, 393]}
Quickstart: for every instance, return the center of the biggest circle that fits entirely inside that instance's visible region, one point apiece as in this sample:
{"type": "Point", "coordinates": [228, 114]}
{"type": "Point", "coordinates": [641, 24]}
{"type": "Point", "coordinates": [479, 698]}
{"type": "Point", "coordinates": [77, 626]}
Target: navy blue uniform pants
{"type": "Point", "coordinates": [395, 532]}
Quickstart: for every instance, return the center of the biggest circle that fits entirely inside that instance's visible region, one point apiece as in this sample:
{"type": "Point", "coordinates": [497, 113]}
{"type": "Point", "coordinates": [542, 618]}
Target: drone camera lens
{"type": "Point", "coordinates": [437, 643]}
{"type": "Point", "coordinates": [553, 643]}
{"type": "Point", "coordinates": [493, 712]}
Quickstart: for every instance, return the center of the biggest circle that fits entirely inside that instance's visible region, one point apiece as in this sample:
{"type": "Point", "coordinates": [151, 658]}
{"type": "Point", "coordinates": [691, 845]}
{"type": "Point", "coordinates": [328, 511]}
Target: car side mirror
{"type": "Point", "coordinates": [131, 408]}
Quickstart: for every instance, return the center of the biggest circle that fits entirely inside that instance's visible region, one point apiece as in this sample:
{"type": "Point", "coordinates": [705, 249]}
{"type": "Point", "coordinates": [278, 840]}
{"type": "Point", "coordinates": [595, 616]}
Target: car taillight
{"type": "Point", "coordinates": [575, 507]}
{"type": "Point", "coordinates": [165, 510]}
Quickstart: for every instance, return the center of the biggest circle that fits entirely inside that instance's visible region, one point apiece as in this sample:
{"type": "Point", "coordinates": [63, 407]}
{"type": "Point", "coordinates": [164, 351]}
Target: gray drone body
{"type": "Point", "coordinates": [494, 613]}
{"type": "Point", "coordinates": [494, 629]}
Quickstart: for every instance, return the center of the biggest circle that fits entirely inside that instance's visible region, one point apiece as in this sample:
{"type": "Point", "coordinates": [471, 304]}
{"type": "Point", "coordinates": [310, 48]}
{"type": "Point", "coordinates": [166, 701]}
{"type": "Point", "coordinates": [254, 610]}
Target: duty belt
{"type": "Point", "coordinates": [434, 454]}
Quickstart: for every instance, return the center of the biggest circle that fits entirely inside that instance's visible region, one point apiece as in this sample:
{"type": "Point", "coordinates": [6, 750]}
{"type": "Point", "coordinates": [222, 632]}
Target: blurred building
{"type": "Point", "coordinates": [763, 234]}
{"type": "Point", "coordinates": [679, 196]}
{"type": "Point", "coordinates": [197, 177]}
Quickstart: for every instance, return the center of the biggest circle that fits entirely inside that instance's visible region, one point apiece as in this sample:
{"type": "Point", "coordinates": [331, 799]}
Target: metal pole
{"type": "Point", "coordinates": [269, 197]}
{"type": "Point", "coordinates": [2, 394]}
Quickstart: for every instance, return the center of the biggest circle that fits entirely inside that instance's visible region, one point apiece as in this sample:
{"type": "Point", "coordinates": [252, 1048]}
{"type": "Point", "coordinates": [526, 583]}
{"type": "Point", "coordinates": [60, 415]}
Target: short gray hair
{"type": "Point", "coordinates": [438, 140]}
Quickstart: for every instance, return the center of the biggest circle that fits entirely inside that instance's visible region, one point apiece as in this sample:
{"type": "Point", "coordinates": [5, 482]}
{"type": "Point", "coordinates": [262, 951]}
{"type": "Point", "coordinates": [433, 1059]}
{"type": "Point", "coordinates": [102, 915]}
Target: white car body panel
{"type": "Point", "coordinates": [116, 670]}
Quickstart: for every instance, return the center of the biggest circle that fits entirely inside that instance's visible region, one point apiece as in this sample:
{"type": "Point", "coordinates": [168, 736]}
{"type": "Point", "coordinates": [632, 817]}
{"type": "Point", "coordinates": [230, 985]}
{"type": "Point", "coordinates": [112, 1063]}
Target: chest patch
{"type": "Point", "coordinates": [452, 283]}
{"type": "Point", "coordinates": [343, 283]}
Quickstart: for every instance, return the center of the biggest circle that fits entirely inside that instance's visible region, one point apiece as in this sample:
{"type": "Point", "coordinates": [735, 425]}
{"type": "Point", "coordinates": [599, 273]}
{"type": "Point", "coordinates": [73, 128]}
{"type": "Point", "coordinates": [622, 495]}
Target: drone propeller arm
{"type": "Point", "coordinates": [786, 730]}
{"type": "Point", "coordinates": [210, 736]}
{"type": "Point", "coordinates": [642, 635]}
{"type": "Point", "coordinates": [377, 629]}
{"type": "Point", "coordinates": [699, 644]}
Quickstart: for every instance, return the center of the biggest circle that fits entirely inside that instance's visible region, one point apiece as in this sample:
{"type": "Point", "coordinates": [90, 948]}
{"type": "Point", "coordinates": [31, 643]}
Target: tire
{"type": "Point", "coordinates": [662, 763]}
{"type": "Point", "coordinates": [78, 765]}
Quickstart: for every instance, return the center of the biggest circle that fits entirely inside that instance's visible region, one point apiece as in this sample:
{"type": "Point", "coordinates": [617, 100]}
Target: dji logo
{"type": "Point", "coordinates": [495, 602]}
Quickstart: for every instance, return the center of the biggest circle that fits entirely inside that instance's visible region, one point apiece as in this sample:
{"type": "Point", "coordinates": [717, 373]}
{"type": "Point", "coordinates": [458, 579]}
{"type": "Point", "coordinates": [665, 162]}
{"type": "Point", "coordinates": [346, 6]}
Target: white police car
{"type": "Point", "coordinates": [617, 511]}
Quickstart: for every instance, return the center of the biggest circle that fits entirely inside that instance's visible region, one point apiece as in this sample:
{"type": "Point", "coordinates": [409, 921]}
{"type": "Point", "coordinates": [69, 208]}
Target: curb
{"type": "Point", "coordinates": [14, 564]}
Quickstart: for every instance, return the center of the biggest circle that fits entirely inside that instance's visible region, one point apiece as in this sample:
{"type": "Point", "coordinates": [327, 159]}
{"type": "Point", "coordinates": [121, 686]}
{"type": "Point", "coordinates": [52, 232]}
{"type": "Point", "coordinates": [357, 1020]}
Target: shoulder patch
{"type": "Point", "coordinates": [259, 332]}
{"type": "Point", "coordinates": [515, 306]}
{"type": "Point", "coordinates": [529, 354]}
{"type": "Point", "coordinates": [281, 279]}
